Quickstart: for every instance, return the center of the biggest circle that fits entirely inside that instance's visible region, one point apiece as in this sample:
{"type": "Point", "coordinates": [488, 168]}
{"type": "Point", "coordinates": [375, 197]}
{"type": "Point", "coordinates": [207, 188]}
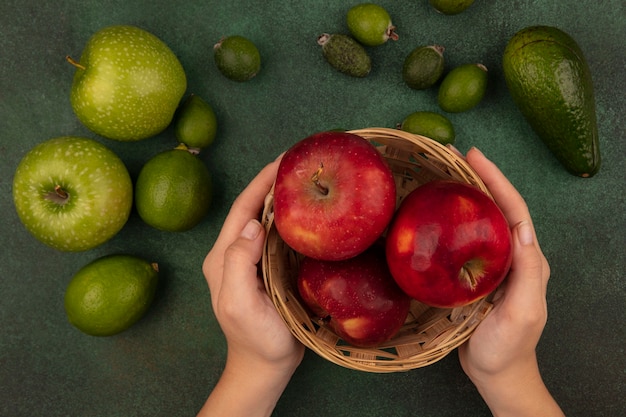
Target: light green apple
{"type": "Point", "coordinates": [127, 85]}
{"type": "Point", "coordinates": [72, 193]}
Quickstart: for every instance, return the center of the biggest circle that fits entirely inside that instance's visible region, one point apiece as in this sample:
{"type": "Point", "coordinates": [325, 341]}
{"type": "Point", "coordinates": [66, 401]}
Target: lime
{"type": "Point", "coordinates": [430, 124]}
{"type": "Point", "coordinates": [463, 88]}
{"type": "Point", "coordinates": [423, 67]}
{"type": "Point", "coordinates": [237, 58]}
{"type": "Point", "coordinates": [173, 190]}
{"type": "Point", "coordinates": [110, 294]}
{"type": "Point", "coordinates": [451, 6]}
{"type": "Point", "coordinates": [196, 124]}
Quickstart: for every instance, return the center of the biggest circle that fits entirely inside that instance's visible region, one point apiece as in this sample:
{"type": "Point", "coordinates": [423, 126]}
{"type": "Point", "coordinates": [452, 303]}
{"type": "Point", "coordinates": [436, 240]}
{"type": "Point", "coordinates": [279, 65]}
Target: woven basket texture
{"type": "Point", "coordinates": [429, 333]}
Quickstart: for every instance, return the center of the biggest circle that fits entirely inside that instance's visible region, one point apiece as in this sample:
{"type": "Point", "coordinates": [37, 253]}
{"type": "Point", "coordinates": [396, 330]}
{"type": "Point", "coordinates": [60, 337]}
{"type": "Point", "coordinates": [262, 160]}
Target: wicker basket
{"type": "Point", "coordinates": [429, 333]}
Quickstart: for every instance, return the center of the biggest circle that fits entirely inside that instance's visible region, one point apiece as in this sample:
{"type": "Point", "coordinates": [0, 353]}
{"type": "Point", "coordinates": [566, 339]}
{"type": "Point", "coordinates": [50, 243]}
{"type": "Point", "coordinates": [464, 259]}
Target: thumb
{"type": "Point", "coordinates": [241, 259]}
{"type": "Point", "coordinates": [528, 276]}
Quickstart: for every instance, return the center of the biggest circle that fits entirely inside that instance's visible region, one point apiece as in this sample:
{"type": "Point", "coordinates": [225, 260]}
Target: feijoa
{"type": "Point", "coordinates": [451, 7]}
{"type": "Point", "coordinates": [423, 66]}
{"type": "Point", "coordinates": [463, 88]}
{"type": "Point", "coordinates": [196, 124]}
{"type": "Point", "coordinates": [430, 124]}
{"type": "Point", "coordinates": [345, 54]}
{"type": "Point", "coordinates": [370, 24]}
{"type": "Point", "coordinates": [237, 58]}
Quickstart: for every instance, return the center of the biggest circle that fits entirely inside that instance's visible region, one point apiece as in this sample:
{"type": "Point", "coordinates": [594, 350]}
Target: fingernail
{"type": "Point", "coordinates": [453, 148]}
{"type": "Point", "coordinates": [525, 233]}
{"type": "Point", "coordinates": [251, 230]}
{"type": "Point", "coordinates": [475, 149]}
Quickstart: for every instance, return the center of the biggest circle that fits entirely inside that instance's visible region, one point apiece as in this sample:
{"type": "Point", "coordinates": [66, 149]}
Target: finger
{"type": "Point", "coordinates": [504, 193]}
{"type": "Point", "coordinates": [509, 200]}
{"type": "Point", "coordinates": [240, 281]}
{"type": "Point", "coordinates": [245, 207]}
{"type": "Point", "coordinates": [249, 203]}
{"type": "Point", "coordinates": [455, 151]}
{"type": "Point", "coordinates": [525, 291]}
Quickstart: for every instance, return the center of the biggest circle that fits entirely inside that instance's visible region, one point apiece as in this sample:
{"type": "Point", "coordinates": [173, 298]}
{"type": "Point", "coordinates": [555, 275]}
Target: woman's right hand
{"type": "Point", "coordinates": [500, 356]}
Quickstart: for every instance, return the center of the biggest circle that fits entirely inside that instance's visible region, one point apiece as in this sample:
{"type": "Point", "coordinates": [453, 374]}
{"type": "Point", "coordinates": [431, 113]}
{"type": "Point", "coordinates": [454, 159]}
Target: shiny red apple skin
{"type": "Point", "coordinates": [358, 297]}
{"type": "Point", "coordinates": [449, 244]}
{"type": "Point", "coordinates": [353, 213]}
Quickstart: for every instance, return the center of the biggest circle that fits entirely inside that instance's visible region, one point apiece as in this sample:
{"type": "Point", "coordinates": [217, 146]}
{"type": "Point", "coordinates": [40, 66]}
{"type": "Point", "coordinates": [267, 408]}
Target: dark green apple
{"type": "Point", "coordinates": [127, 85]}
{"type": "Point", "coordinates": [72, 193]}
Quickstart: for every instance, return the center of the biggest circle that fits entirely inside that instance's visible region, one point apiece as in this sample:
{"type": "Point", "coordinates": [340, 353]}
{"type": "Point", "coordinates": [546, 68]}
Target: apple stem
{"type": "Point", "coordinates": [76, 64]}
{"type": "Point", "coordinates": [316, 180]}
{"type": "Point", "coordinates": [58, 196]}
{"type": "Point", "coordinates": [61, 192]}
{"type": "Point", "coordinates": [468, 277]}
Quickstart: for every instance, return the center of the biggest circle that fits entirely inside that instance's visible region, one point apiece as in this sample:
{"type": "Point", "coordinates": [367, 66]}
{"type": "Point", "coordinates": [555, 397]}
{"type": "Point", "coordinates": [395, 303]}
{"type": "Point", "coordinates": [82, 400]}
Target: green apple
{"type": "Point", "coordinates": [72, 193]}
{"type": "Point", "coordinates": [127, 85]}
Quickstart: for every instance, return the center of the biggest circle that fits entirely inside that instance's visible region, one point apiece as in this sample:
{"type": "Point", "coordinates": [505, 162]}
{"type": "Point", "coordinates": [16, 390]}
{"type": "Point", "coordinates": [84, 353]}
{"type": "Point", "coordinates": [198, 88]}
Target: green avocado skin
{"type": "Point", "coordinates": [550, 82]}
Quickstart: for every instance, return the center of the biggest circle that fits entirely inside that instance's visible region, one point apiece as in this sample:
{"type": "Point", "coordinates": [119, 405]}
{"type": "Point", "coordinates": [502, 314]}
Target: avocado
{"type": "Point", "coordinates": [550, 82]}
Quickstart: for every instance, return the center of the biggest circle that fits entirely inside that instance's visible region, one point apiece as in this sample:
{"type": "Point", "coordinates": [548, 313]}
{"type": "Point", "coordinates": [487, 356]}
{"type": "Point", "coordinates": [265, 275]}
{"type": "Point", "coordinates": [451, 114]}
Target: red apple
{"type": "Point", "coordinates": [449, 244]}
{"type": "Point", "coordinates": [357, 297]}
{"type": "Point", "coordinates": [334, 196]}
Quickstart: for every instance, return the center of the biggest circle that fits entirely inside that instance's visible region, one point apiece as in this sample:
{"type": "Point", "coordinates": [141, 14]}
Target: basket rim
{"type": "Point", "coordinates": [427, 144]}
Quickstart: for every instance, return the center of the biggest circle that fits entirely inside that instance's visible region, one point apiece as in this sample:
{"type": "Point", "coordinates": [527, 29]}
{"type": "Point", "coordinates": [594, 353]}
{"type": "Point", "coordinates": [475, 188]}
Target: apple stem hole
{"type": "Point", "coordinates": [59, 195]}
{"type": "Point", "coordinates": [316, 180]}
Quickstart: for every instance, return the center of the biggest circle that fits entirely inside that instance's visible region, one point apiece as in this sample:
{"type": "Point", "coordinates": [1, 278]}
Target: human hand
{"type": "Point", "coordinates": [500, 355]}
{"type": "Point", "coordinates": [262, 352]}
{"type": "Point", "coordinates": [509, 334]}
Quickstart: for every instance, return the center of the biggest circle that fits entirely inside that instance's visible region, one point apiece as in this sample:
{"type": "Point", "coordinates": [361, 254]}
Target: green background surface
{"type": "Point", "coordinates": [167, 364]}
